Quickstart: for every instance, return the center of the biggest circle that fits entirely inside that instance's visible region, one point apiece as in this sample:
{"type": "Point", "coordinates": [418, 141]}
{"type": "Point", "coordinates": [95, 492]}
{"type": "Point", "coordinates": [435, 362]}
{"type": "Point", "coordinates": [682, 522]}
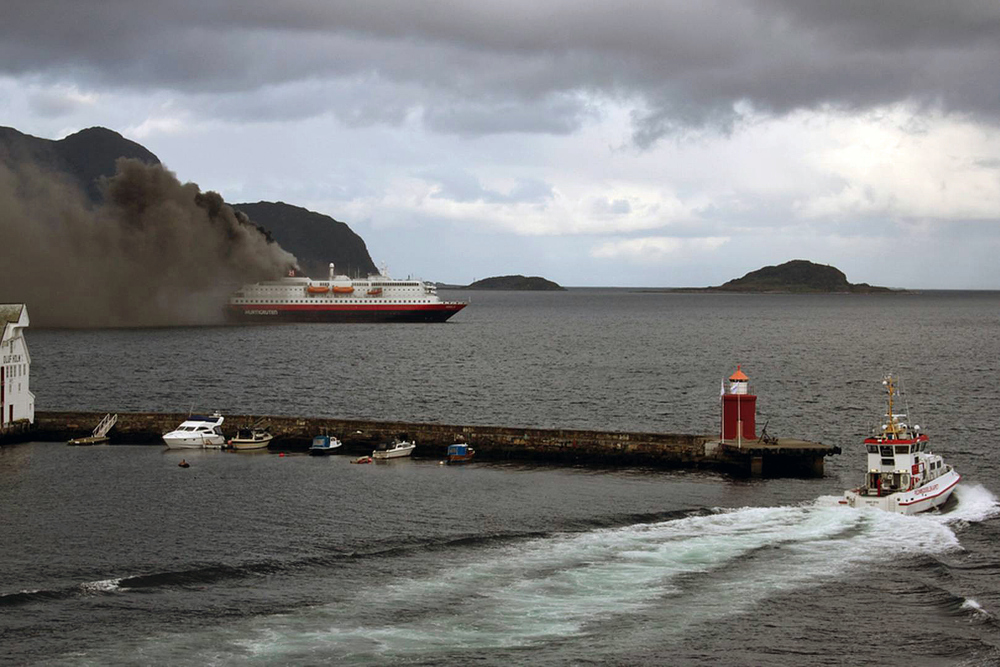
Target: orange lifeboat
{"type": "Point", "coordinates": [317, 289]}
{"type": "Point", "coordinates": [375, 291]}
{"type": "Point", "coordinates": [337, 289]}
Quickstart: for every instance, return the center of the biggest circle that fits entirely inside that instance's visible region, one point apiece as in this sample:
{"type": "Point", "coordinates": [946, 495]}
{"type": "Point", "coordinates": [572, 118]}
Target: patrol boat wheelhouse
{"type": "Point", "coordinates": [903, 475]}
{"type": "Point", "coordinates": [377, 298]}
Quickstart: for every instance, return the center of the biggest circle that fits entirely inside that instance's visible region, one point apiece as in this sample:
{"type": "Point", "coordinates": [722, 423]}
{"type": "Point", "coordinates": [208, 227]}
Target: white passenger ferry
{"type": "Point", "coordinates": [377, 298]}
{"type": "Point", "coordinates": [903, 475]}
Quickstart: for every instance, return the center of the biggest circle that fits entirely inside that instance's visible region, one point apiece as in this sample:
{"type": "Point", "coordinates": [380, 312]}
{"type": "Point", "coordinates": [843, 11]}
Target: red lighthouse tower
{"type": "Point", "coordinates": [739, 409]}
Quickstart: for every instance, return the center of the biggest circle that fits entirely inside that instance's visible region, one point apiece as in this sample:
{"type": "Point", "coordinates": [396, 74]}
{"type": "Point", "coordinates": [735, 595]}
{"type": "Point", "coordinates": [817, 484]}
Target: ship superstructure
{"type": "Point", "coordinates": [377, 298]}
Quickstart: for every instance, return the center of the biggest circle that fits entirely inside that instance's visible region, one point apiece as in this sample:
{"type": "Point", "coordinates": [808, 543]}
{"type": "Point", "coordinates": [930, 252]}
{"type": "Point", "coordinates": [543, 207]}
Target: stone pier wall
{"type": "Point", "coordinates": [668, 450]}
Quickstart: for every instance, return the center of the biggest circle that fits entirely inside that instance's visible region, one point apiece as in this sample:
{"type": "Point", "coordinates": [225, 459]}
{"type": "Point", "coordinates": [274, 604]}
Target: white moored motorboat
{"type": "Point", "coordinates": [394, 450]}
{"type": "Point", "coordinates": [197, 432]}
{"type": "Point", "coordinates": [903, 475]}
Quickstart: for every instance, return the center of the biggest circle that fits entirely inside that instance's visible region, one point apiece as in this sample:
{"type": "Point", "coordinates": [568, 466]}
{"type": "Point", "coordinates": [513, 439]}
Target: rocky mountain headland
{"type": "Point", "coordinates": [89, 157]}
{"type": "Point", "coordinates": [317, 240]}
{"type": "Point", "coordinates": [84, 157]}
{"type": "Point", "coordinates": [99, 233]}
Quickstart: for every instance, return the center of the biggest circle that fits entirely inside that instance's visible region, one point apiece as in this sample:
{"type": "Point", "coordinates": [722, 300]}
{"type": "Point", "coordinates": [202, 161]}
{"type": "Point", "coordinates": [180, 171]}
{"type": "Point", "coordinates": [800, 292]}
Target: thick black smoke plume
{"type": "Point", "coordinates": [154, 252]}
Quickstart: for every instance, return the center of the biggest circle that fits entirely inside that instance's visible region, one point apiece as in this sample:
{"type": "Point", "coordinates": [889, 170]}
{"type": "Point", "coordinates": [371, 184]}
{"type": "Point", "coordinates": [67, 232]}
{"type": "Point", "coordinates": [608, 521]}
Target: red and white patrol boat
{"type": "Point", "coordinates": [377, 298]}
{"type": "Point", "coordinates": [903, 475]}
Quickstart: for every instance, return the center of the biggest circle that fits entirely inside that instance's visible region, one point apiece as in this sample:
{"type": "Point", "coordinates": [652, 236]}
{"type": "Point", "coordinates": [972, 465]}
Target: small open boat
{"type": "Point", "coordinates": [251, 438]}
{"type": "Point", "coordinates": [460, 452]}
{"type": "Point", "coordinates": [323, 445]}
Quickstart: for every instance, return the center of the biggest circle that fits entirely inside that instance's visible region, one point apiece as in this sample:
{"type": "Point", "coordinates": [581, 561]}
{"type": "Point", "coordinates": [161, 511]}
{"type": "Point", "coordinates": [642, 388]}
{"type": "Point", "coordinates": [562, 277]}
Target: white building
{"type": "Point", "coordinates": [17, 403]}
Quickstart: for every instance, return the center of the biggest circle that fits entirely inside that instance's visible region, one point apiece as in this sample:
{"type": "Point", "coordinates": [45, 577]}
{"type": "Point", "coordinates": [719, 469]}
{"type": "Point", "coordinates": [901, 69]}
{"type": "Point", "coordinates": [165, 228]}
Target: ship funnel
{"type": "Point", "coordinates": [332, 274]}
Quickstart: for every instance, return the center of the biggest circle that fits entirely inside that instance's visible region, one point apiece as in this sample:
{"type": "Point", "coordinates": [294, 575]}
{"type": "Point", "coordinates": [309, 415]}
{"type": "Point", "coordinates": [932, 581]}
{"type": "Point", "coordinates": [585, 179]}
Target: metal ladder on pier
{"type": "Point", "coordinates": [105, 425]}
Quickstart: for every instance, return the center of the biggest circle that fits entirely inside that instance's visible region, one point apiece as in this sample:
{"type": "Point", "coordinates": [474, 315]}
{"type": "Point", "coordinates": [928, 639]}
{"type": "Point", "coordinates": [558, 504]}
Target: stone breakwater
{"type": "Point", "coordinates": [565, 446]}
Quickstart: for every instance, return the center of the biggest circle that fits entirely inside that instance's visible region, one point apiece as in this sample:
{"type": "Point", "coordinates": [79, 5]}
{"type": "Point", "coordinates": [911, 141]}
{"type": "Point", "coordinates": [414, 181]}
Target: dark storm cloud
{"type": "Point", "coordinates": [481, 68]}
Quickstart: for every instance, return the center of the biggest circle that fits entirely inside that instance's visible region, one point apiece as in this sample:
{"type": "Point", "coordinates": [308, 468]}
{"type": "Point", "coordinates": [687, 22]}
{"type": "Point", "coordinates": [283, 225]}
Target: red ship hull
{"type": "Point", "coordinates": [343, 312]}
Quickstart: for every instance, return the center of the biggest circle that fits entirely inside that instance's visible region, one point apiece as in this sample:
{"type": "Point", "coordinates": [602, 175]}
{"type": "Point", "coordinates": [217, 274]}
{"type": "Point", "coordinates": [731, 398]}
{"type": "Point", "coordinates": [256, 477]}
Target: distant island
{"type": "Point", "coordinates": [528, 283]}
{"type": "Point", "coordinates": [800, 277]}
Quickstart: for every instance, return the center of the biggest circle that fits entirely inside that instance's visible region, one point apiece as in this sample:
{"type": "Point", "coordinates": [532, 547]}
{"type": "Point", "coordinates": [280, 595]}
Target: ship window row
{"type": "Point", "coordinates": [888, 450]}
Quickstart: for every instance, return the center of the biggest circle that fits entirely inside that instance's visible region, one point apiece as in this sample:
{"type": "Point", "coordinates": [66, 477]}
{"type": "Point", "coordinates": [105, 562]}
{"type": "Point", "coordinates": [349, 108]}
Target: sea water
{"type": "Point", "coordinates": [114, 555]}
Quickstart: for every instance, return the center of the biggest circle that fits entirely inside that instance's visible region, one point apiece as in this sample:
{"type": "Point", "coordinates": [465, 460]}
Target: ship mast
{"type": "Point", "coordinates": [891, 427]}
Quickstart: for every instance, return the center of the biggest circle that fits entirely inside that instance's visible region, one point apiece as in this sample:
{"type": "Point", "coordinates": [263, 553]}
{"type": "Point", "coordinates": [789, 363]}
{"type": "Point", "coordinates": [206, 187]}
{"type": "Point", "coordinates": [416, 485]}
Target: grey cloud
{"type": "Point", "coordinates": [555, 116]}
{"type": "Point", "coordinates": [53, 104]}
{"type": "Point", "coordinates": [355, 103]}
{"type": "Point", "coordinates": [464, 187]}
{"type": "Point", "coordinates": [523, 66]}
{"type": "Point", "coordinates": [609, 207]}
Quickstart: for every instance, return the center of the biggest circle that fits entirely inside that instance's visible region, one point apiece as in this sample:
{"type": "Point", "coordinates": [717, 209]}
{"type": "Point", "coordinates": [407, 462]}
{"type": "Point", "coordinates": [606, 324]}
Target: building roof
{"type": "Point", "coordinates": [10, 312]}
{"type": "Point", "coordinates": [738, 376]}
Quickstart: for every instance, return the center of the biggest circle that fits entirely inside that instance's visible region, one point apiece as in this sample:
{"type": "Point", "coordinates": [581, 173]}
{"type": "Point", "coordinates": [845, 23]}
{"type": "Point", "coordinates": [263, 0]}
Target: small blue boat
{"type": "Point", "coordinates": [460, 453]}
{"type": "Point", "coordinates": [323, 444]}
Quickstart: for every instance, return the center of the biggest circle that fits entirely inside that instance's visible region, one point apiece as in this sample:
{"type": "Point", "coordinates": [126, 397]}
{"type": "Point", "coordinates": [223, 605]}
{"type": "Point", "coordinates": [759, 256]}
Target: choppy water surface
{"type": "Point", "coordinates": [115, 555]}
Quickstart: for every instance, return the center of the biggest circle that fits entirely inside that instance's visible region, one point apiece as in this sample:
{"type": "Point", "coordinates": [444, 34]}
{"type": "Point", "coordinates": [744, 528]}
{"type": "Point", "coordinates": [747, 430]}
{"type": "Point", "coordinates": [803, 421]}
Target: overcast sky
{"type": "Point", "coordinates": [591, 142]}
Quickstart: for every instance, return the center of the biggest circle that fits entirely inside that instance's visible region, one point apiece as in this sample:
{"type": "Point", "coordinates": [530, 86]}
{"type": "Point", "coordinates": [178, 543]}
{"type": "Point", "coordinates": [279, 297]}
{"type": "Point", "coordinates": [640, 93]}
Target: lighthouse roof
{"type": "Point", "coordinates": [738, 376]}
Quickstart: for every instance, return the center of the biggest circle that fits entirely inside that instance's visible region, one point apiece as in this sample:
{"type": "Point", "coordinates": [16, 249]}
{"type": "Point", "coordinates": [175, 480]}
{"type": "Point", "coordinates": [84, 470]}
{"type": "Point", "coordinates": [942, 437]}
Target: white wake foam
{"type": "Point", "coordinates": [103, 586]}
{"type": "Point", "coordinates": [553, 588]}
{"type": "Point", "coordinates": [975, 608]}
{"type": "Point", "coordinates": [682, 571]}
{"type": "Point", "coordinates": [975, 504]}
